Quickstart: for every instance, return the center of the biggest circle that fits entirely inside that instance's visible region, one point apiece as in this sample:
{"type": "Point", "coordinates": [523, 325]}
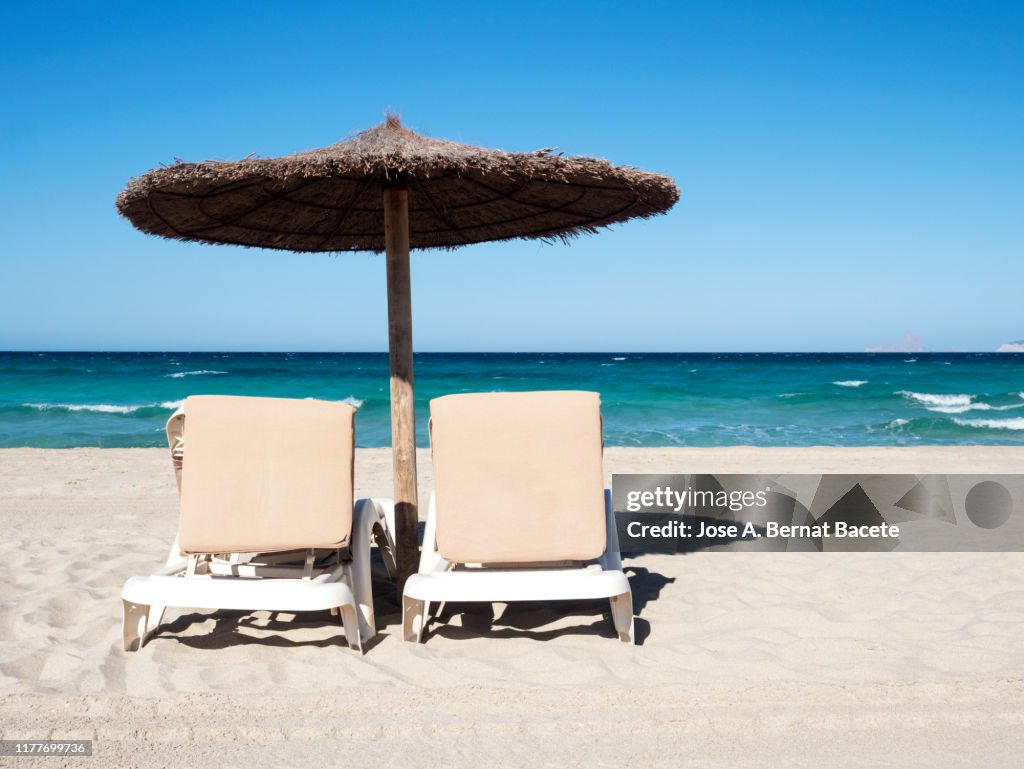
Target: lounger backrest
{"type": "Point", "coordinates": [518, 477]}
{"type": "Point", "coordinates": [265, 474]}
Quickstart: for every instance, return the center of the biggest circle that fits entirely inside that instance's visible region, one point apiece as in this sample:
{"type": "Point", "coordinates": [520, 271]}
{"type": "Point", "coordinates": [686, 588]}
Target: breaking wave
{"type": "Point", "coordinates": [203, 372]}
{"type": "Point", "coordinates": [103, 408]}
{"type": "Point", "coordinates": [993, 424]}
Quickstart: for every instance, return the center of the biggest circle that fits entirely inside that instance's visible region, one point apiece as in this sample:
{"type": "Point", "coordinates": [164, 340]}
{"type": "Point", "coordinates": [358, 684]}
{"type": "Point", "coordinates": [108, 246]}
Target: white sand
{"type": "Point", "coordinates": [746, 659]}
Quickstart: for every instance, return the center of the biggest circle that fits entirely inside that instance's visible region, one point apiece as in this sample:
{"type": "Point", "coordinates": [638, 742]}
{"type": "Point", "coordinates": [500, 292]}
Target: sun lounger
{"type": "Point", "coordinates": [519, 511]}
{"type": "Point", "coordinates": [267, 516]}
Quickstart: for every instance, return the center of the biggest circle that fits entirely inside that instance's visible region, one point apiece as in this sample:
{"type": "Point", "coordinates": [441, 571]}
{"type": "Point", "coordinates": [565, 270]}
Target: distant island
{"type": "Point", "coordinates": [1017, 346]}
{"type": "Point", "coordinates": [909, 343]}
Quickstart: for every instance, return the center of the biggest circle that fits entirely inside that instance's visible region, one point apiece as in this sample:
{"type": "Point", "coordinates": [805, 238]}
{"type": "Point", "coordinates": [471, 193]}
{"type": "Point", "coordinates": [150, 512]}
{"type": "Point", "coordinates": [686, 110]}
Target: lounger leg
{"type": "Point", "coordinates": [134, 625]}
{"type": "Point", "coordinates": [622, 616]}
{"type": "Point", "coordinates": [350, 619]}
{"type": "Point", "coordinates": [366, 516]}
{"type": "Point", "coordinates": [414, 618]}
{"type": "Point", "coordinates": [357, 577]}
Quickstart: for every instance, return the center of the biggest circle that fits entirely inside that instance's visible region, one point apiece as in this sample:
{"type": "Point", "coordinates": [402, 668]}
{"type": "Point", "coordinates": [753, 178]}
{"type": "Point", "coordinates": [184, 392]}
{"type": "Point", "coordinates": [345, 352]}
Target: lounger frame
{"type": "Point", "coordinates": [253, 582]}
{"type": "Point", "coordinates": [439, 580]}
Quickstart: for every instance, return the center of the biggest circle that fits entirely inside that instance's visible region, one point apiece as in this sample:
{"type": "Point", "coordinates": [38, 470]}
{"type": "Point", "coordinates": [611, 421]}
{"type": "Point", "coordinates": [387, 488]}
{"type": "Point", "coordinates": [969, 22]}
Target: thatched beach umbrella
{"type": "Point", "coordinates": [390, 189]}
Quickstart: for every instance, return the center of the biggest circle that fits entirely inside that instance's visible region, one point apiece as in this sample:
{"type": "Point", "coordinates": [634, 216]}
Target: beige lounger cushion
{"type": "Point", "coordinates": [518, 477]}
{"type": "Point", "coordinates": [265, 474]}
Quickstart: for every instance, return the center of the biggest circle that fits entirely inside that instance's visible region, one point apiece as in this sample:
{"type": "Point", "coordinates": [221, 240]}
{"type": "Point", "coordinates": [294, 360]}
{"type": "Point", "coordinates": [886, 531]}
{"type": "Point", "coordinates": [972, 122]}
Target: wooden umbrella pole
{"type": "Point", "coordinates": [403, 410]}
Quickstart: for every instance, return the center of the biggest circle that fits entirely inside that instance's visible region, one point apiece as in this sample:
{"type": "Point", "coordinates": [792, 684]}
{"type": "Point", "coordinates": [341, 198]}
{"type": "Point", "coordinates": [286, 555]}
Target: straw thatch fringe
{"type": "Point", "coordinates": [330, 199]}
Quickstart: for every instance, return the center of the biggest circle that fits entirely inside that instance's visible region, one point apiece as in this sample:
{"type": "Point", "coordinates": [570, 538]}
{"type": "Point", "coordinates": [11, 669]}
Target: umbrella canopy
{"type": "Point", "coordinates": [390, 189]}
{"type": "Point", "coordinates": [330, 199]}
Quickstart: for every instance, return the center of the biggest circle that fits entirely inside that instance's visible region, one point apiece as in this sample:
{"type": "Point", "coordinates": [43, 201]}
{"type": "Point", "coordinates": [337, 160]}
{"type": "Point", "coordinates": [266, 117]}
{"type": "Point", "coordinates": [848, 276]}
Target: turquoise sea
{"type": "Point", "coordinates": [779, 399]}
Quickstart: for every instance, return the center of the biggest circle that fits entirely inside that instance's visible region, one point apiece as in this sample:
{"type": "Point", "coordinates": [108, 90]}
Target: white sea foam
{"type": "Point", "coordinates": [972, 407]}
{"type": "Point", "coordinates": [618, 359]}
{"type": "Point", "coordinates": [910, 360]}
{"type": "Point", "coordinates": [931, 399]}
{"type": "Point", "coordinates": [993, 424]}
{"type": "Point", "coordinates": [953, 404]}
{"type": "Point", "coordinates": [103, 408]}
{"type": "Point", "coordinates": [898, 423]}
{"type": "Point", "coordinates": [953, 409]}
{"type": "Point", "coordinates": [353, 402]}
{"type": "Point", "coordinates": [851, 382]}
{"type": "Point", "coordinates": [203, 372]}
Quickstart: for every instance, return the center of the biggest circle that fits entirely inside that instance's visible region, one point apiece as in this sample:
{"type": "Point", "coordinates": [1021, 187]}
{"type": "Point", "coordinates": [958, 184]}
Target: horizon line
{"type": "Point", "coordinates": [505, 352]}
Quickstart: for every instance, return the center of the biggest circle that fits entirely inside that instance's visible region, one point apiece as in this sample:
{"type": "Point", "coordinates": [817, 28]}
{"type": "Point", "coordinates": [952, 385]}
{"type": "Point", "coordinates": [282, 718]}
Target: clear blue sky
{"type": "Point", "coordinates": [850, 172]}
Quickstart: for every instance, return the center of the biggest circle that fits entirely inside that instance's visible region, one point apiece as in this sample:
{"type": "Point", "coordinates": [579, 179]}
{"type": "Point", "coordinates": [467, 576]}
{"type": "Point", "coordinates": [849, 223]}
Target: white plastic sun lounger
{"type": "Point", "coordinates": [519, 511]}
{"type": "Point", "coordinates": [267, 517]}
